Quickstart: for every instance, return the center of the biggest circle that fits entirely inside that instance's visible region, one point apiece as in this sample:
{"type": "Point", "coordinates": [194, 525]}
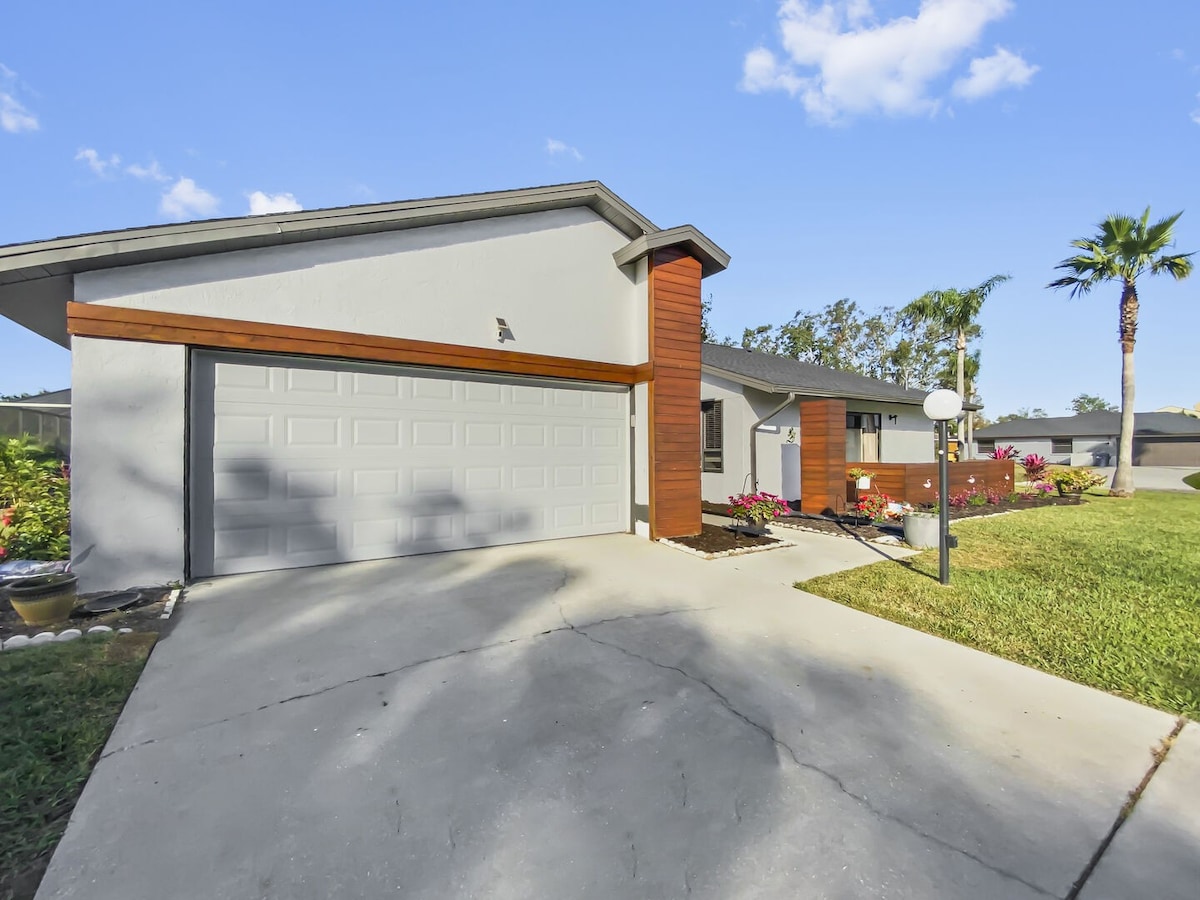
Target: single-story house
{"type": "Point", "coordinates": [795, 427]}
{"type": "Point", "coordinates": [1090, 439]}
{"type": "Point", "coordinates": [372, 381]}
{"type": "Point", "coordinates": [45, 417]}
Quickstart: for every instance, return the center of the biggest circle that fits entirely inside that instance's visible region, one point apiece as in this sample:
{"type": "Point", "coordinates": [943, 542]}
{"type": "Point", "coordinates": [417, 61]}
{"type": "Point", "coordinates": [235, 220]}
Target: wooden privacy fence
{"type": "Point", "coordinates": [917, 483]}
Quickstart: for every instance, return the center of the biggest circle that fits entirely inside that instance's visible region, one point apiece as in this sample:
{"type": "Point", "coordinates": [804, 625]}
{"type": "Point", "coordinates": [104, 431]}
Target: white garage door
{"type": "Point", "coordinates": [298, 463]}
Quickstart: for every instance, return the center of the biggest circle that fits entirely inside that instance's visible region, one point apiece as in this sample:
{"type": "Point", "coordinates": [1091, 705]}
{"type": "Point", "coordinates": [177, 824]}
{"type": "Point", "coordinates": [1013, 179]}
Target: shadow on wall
{"type": "Point", "coordinates": [490, 742]}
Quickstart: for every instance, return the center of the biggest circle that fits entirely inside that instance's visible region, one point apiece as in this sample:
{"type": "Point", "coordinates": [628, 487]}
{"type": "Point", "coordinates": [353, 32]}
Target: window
{"type": "Point", "coordinates": [712, 436]}
{"type": "Point", "coordinates": [1061, 445]}
{"type": "Point", "coordinates": [862, 436]}
{"type": "Point", "coordinates": [987, 446]}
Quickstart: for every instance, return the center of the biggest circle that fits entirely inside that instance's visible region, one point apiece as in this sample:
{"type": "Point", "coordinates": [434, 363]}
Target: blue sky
{"type": "Point", "coordinates": [869, 150]}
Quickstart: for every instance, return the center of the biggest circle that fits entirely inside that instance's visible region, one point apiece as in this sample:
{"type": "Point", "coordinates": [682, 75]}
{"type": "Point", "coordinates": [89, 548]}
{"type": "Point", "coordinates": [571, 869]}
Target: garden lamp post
{"type": "Point", "coordinates": [942, 406]}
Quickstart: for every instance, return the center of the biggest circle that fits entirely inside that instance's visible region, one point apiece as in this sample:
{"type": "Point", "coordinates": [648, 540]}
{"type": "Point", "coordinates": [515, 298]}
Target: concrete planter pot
{"type": "Point", "coordinates": [921, 530]}
{"type": "Point", "coordinates": [43, 599]}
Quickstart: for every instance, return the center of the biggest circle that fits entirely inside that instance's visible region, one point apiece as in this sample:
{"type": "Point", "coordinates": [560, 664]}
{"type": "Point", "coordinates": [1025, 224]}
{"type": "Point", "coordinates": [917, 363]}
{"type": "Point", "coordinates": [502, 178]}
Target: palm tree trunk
{"type": "Point", "coordinates": [964, 446]}
{"type": "Point", "coordinates": [1122, 483]}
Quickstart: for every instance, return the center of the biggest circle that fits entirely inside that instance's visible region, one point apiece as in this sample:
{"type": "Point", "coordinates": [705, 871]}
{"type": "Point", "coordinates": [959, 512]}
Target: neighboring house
{"type": "Point", "coordinates": [809, 422]}
{"type": "Point", "coordinates": [1193, 411]}
{"type": "Point", "coordinates": [321, 386]}
{"type": "Point", "coordinates": [1090, 439]}
{"type": "Point", "coordinates": [44, 417]}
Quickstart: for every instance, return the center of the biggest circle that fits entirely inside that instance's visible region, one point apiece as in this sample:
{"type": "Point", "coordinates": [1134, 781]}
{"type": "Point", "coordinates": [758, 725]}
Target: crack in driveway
{"type": "Point", "coordinates": [385, 674]}
{"type": "Point", "coordinates": [795, 757]}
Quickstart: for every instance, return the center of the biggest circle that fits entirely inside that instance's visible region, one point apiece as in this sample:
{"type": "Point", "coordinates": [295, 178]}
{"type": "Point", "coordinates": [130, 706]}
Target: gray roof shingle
{"type": "Point", "coordinates": [1092, 424]}
{"type": "Point", "coordinates": [780, 374]}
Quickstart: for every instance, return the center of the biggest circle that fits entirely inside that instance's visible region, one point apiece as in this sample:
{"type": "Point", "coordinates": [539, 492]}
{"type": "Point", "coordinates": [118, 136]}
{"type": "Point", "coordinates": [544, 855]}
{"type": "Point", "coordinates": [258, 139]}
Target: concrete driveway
{"type": "Point", "coordinates": [1155, 478]}
{"type": "Point", "coordinates": [596, 718]}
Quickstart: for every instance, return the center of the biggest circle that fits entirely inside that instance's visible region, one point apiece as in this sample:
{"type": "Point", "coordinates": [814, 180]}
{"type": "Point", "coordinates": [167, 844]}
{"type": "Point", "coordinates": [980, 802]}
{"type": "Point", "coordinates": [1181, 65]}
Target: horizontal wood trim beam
{"type": "Point", "coordinates": [117, 323]}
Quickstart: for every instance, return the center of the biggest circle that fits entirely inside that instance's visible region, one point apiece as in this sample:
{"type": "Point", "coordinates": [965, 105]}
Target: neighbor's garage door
{"type": "Point", "coordinates": [1166, 451]}
{"type": "Point", "coordinates": [298, 463]}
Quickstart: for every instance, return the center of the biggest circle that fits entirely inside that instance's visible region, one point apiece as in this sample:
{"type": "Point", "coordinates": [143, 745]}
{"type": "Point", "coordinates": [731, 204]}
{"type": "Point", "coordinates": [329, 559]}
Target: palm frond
{"type": "Point", "coordinates": [1178, 266]}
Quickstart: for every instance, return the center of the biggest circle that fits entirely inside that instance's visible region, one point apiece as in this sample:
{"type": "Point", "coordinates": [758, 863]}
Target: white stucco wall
{"type": "Point", "coordinates": [1082, 449]}
{"type": "Point", "coordinates": [744, 406]}
{"type": "Point", "coordinates": [127, 463]}
{"type": "Point", "coordinates": [907, 440]}
{"type": "Point", "coordinates": [550, 275]}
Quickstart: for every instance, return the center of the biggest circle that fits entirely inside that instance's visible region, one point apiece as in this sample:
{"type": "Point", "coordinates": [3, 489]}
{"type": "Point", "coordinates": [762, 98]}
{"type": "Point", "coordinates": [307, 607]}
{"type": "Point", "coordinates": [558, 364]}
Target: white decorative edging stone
{"type": "Point", "coordinates": [19, 641]}
{"type": "Point", "coordinates": [738, 551]}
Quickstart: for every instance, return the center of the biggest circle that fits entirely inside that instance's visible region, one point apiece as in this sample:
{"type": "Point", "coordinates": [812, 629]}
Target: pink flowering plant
{"type": "Point", "coordinates": [756, 507]}
{"type": "Point", "coordinates": [874, 506]}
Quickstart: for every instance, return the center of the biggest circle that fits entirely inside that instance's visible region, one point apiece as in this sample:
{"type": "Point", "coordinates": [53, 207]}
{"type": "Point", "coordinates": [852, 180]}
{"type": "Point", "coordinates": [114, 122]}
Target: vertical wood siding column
{"type": "Point", "coordinates": [822, 455]}
{"type": "Point", "coordinates": [674, 394]}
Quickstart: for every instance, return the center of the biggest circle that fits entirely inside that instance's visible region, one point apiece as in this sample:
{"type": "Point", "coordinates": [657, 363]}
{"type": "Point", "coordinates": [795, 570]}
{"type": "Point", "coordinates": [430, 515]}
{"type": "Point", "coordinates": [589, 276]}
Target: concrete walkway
{"type": "Point", "coordinates": [599, 718]}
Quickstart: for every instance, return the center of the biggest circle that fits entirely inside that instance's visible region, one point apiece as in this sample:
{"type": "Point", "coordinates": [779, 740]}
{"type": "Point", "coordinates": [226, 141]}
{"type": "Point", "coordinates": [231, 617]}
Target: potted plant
{"type": "Point", "coordinates": [922, 528]}
{"type": "Point", "coordinates": [862, 478]}
{"type": "Point", "coordinates": [874, 506]}
{"type": "Point", "coordinates": [43, 599]}
{"type": "Point", "coordinates": [755, 510]}
{"type": "Point", "coordinates": [1073, 482]}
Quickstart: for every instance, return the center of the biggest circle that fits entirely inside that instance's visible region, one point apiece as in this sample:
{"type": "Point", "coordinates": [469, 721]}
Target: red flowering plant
{"type": "Point", "coordinates": [874, 506]}
{"type": "Point", "coordinates": [756, 507]}
{"type": "Point", "coordinates": [1007, 452]}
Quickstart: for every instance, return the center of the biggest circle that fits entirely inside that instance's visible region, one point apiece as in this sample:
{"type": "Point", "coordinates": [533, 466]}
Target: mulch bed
{"type": "Point", "coordinates": [718, 539]}
{"type": "Point", "coordinates": [145, 615]}
{"type": "Point", "coordinates": [870, 532]}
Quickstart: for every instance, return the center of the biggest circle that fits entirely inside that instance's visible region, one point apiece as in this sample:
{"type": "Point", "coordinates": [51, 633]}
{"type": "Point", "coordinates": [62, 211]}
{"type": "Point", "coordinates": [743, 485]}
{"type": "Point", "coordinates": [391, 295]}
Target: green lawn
{"type": "Point", "coordinates": [57, 707]}
{"type": "Point", "coordinates": [1104, 594]}
{"type": "Point", "coordinates": [1193, 480]}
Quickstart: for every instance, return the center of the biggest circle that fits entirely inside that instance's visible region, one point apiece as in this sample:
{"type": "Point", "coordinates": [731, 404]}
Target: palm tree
{"type": "Point", "coordinates": [1124, 249]}
{"type": "Point", "coordinates": [954, 312]}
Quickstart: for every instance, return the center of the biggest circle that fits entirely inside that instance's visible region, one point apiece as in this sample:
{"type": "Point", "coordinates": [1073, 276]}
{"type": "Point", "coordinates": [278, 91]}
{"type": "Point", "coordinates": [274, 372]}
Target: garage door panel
{"type": "Point", "coordinates": [316, 463]}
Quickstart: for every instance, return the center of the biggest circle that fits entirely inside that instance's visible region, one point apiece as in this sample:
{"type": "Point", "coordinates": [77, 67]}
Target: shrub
{"type": "Point", "coordinates": [756, 506]}
{"type": "Point", "coordinates": [874, 506]}
{"type": "Point", "coordinates": [993, 497]}
{"type": "Point", "coordinates": [1015, 496]}
{"type": "Point", "coordinates": [976, 498]}
{"type": "Point", "coordinates": [35, 518]}
{"type": "Point", "coordinates": [1035, 467]}
{"type": "Point", "coordinates": [1071, 480]}
{"type": "Point", "coordinates": [1009, 452]}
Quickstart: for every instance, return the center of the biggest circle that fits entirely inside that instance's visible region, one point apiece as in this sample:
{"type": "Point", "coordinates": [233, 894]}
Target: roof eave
{"type": "Point", "coordinates": [63, 256]}
{"type": "Point", "coordinates": [686, 237]}
{"type": "Point", "coordinates": [770, 388]}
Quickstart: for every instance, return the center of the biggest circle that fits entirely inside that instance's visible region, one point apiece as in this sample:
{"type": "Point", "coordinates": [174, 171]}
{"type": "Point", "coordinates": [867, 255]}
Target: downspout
{"type": "Point", "coordinates": [754, 439]}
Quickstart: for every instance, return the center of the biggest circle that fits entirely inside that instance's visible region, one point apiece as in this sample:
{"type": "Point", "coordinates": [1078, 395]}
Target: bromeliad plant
{"type": "Point", "coordinates": [1035, 467]}
{"type": "Point", "coordinates": [35, 516]}
{"type": "Point", "coordinates": [756, 507]}
{"type": "Point", "coordinates": [1007, 452]}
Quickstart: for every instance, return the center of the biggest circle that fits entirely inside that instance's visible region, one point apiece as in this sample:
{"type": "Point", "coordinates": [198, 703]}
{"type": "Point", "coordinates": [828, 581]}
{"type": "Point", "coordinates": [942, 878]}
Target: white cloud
{"type": "Point", "coordinates": [556, 147]}
{"type": "Point", "coordinates": [98, 164]}
{"type": "Point", "coordinates": [842, 61]}
{"type": "Point", "coordinates": [152, 172]}
{"type": "Point", "coordinates": [994, 73]}
{"type": "Point", "coordinates": [14, 117]}
{"type": "Point", "coordinates": [186, 199]}
{"type": "Point", "coordinates": [261, 203]}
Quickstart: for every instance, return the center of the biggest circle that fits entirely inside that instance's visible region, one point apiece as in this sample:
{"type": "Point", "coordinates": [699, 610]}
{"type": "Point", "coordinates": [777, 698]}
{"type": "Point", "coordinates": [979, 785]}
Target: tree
{"type": "Point", "coordinates": [954, 313]}
{"type": "Point", "coordinates": [1086, 403]}
{"type": "Point", "coordinates": [1023, 413]}
{"type": "Point", "coordinates": [1123, 250]}
{"type": "Point", "coordinates": [706, 331]}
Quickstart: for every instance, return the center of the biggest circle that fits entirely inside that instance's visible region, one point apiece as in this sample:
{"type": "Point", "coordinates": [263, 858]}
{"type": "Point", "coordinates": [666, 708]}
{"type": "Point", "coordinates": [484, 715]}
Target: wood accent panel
{"type": "Point", "coordinates": [91, 320]}
{"type": "Point", "coordinates": [822, 455]}
{"type": "Point", "coordinates": [906, 481]}
{"type": "Point", "coordinates": [674, 294]}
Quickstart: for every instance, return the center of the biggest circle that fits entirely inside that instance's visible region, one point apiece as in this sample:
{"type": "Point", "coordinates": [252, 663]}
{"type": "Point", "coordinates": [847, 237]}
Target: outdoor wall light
{"type": "Point", "coordinates": [893, 418]}
{"type": "Point", "coordinates": [942, 406]}
{"type": "Point", "coordinates": [503, 332]}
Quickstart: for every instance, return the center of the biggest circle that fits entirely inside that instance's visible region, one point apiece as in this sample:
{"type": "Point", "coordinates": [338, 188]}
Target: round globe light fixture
{"type": "Point", "coordinates": [942, 405]}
